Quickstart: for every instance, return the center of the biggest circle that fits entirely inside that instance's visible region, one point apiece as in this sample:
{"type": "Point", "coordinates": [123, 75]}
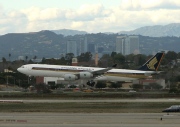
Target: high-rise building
{"type": "Point", "coordinates": [91, 48]}
{"type": "Point", "coordinates": [71, 47]}
{"type": "Point", "coordinates": [134, 44]}
{"type": "Point", "coordinates": [83, 45]}
{"type": "Point", "coordinates": [127, 45]}
{"type": "Point", "coordinates": [120, 41]}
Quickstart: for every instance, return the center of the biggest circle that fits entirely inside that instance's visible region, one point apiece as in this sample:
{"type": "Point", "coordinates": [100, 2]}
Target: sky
{"type": "Point", "coordinates": [93, 16]}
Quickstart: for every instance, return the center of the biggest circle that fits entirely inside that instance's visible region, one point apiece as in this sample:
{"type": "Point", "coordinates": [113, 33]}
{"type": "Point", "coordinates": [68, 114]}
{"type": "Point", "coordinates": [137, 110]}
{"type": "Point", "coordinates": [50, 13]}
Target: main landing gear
{"type": "Point", "coordinates": [91, 83]}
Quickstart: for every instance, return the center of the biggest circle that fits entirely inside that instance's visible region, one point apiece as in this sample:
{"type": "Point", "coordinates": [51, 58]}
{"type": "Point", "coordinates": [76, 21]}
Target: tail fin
{"type": "Point", "coordinates": [153, 63]}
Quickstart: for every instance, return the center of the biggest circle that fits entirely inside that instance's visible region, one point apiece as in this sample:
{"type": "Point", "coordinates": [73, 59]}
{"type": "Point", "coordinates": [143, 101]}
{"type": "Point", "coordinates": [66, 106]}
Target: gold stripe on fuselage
{"type": "Point", "coordinates": [129, 75]}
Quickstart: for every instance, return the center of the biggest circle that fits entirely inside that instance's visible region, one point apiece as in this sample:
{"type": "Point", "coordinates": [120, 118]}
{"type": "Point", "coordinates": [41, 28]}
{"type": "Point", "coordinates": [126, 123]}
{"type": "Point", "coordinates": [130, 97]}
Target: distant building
{"type": "Point", "coordinates": [20, 57]}
{"type": "Point", "coordinates": [83, 48]}
{"type": "Point", "coordinates": [91, 48]}
{"type": "Point", "coordinates": [134, 45]}
{"type": "Point", "coordinates": [100, 49]}
{"type": "Point", "coordinates": [120, 41]}
{"type": "Point", "coordinates": [127, 45]}
{"type": "Point", "coordinates": [71, 47]}
{"type": "Point", "coordinates": [74, 62]}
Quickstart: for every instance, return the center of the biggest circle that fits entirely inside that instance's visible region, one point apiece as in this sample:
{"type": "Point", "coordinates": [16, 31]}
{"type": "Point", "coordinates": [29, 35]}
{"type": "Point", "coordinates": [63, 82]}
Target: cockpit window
{"type": "Point", "coordinates": [22, 66]}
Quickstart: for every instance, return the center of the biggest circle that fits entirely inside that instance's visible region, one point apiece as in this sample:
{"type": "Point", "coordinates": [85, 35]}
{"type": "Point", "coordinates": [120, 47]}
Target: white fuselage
{"type": "Point", "coordinates": [60, 71]}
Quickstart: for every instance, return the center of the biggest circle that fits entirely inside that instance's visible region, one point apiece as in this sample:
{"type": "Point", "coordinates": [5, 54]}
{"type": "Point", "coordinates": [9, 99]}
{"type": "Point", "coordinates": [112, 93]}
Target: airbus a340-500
{"type": "Point", "coordinates": [70, 73]}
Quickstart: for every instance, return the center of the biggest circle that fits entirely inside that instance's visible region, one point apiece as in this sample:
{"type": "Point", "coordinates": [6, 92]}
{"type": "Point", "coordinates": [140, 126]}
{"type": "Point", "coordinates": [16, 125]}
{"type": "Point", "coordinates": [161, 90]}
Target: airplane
{"type": "Point", "coordinates": [173, 108]}
{"type": "Point", "coordinates": [71, 73]}
{"type": "Point", "coordinates": [145, 71]}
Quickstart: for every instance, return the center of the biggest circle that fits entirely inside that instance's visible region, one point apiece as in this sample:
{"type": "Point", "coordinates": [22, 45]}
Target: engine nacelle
{"type": "Point", "coordinates": [70, 77]}
{"type": "Point", "coordinates": [91, 83]}
{"type": "Point", "coordinates": [84, 75]}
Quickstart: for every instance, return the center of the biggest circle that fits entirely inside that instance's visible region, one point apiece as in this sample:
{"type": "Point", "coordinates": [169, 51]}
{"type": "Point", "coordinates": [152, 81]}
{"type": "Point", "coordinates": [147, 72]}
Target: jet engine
{"type": "Point", "coordinates": [84, 75]}
{"type": "Point", "coordinates": [91, 83]}
{"type": "Point", "coordinates": [70, 77]}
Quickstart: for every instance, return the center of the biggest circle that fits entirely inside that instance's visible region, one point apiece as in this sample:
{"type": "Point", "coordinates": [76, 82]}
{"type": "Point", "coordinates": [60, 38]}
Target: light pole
{"type": "Point", "coordinates": [172, 67]}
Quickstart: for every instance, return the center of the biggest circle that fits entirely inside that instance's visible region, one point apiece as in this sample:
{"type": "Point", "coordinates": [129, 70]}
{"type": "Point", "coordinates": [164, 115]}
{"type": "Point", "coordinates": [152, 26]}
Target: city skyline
{"type": "Point", "coordinates": [127, 45]}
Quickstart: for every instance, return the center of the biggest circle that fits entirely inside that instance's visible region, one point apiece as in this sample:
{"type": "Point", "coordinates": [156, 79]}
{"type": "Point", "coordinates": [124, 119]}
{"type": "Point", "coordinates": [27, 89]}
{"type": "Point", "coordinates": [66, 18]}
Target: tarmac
{"type": "Point", "coordinates": [89, 100]}
{"type": "Point", "coordinates": [35, 119]}
{"type": "Point", "coordinates": [49, 119]}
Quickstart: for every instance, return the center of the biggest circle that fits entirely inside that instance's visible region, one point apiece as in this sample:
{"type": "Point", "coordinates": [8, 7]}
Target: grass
{"type": "Point", "coordinates": [67, 95]}
{"type": "Point", "coordinates": [87, 107]}
{"type": "Point", "coordinates": [74, 107]}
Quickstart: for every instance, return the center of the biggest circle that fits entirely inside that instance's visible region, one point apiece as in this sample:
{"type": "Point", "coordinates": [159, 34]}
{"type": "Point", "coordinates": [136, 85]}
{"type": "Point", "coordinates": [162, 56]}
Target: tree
{"type": "Point", "coordinates": [171, 55]}
{"type": "Point", "coordinates": [105, 61]}
{"type": "Point", "coordinates": [140, 59]}
{"type": "Point", "coordinates": [113, 54]}
{"type": "Point", "coordinates": [26, 58]}
{"type": "Point", "coordinates": [34, 58]}
{"type": "Point", "coordinates": [69, 57]}
{"type": "Point", "coordinates": [119, 58]}
{"type": "Point", "coordinates": [155, 86]}
{"type": "Point", "coordinates": [43, 60]}
{"type": "Point", "coordinates": [9, 56]}
{"type": "Point", "coordinates": [4, 61]}
{"type": "Point", "coordinates": [85, 57]}
{"type": "Point", "coordinates": [130, 58]}
{"type": "Point", "coordinates": [137, 86]}
{"type": "Point", "coordinates": [63, 61]}
{"type": "Point", "coordinates": [178, 55]}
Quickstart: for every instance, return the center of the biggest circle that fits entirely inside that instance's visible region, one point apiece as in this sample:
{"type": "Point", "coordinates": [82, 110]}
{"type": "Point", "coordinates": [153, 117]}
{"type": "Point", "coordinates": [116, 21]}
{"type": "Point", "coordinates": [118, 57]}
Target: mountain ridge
{"type": "Point", "coordinates": [67, 32]}
{"type": "Point", "coordinates": [172, 29]}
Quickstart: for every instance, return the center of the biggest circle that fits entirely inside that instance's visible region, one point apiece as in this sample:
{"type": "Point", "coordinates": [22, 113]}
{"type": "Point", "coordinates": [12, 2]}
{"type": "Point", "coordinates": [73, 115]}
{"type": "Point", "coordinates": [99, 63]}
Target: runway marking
{"type": "Point", "coordinates": [11, 101]}
{"type": "Point", "coordinates": [172, 99]}
{"type": "Point", "coordinates": [13, 120]}
{"type": "Point", "coordinates": [22, 121]}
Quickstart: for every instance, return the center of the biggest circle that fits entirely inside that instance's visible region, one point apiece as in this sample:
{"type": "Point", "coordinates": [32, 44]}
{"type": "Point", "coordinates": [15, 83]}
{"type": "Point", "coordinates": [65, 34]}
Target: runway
{"type": "Point", "coordinates": [89, 120]}
{"type": "Point", "coordinates": [88, 100]}
{"type": "Point", "coordinates": [93, 119]}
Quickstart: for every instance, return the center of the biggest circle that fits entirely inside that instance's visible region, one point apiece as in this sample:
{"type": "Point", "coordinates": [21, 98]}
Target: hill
{"type": "Point", "coordinates": [51, 45]}
{"type": "Point", "coordinates": [67, 32]}
{"type": "Point", "coordinates": [156, 31]}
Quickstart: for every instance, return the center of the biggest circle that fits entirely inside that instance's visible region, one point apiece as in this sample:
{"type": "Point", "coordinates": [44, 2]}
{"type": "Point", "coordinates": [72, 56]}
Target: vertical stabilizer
{"type": "Point", "coordinates": [153, 63]}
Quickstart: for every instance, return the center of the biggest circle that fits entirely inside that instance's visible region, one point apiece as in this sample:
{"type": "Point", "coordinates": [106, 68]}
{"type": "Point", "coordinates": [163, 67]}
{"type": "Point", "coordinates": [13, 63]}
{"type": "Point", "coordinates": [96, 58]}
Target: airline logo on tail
{"type": "Point", "coordinates": [152, 63]}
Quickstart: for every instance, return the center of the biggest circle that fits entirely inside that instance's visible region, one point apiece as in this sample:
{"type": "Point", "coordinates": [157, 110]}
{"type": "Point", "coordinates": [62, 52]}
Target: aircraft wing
{"type": "Point", "coordinates": [98, 72]}
{"type": "Point", "coordinates": [102, 71]}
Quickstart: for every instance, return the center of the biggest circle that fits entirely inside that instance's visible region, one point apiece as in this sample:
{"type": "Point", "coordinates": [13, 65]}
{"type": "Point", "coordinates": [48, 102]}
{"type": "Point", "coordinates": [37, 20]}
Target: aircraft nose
{"type": "Point", "coordinates": [166, 110]}
{"type": "Point", "coordinates": [18, 69]}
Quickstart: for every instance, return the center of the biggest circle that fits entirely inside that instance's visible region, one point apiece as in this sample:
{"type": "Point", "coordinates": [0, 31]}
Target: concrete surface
{"type": "Point", "coordinates": [89, 120]}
